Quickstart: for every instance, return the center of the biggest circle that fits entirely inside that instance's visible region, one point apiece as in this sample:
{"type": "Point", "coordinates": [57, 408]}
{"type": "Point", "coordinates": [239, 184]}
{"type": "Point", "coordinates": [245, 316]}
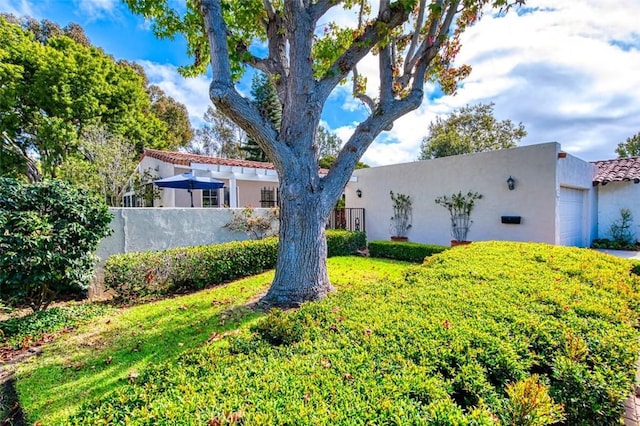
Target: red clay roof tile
{"type": "Point", "coordinates": [184, 159]}
{"type": "Point", "coordinates": [618, 170]}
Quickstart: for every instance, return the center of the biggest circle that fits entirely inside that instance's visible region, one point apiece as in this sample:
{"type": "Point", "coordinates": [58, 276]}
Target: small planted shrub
{"type": "Point", "coordinates": [402, 215]}
{"type": "Point", "coordinates": [409, 252]}
{"type": "Point", "coordinates": [459, 207]}
{"type": "Point", "coordinates": [255, 226]}
{"type": "Point", "coordinates": [48, 232]}
{"type": "Point", "coordinates": [622, 236]}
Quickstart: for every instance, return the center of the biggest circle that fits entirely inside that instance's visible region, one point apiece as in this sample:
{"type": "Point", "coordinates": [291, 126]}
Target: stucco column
{"type": "Point", "coordinates": [233, 192]}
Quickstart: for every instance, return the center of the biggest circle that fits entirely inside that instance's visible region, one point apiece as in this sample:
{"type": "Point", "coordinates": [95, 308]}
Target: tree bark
{"type": "Point", "coordinates": [301, 271]}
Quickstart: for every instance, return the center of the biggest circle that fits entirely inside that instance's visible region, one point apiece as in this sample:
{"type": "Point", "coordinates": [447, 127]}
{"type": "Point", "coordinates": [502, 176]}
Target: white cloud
{"type": "Point", "coordinates": [192, 92]}
{"type": "Point", "coordinates": [567, 70]}
{"type": "Point", "coordinates": [97, 9]}
{"type": "Point", "coordinates": [18, 7]}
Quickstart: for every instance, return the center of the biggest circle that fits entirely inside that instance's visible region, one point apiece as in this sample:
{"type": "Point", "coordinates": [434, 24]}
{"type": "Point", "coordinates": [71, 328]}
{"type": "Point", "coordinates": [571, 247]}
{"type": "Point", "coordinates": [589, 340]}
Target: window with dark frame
{"type": "Point", "coordinates": [269, 197]}
{"type": "Point", "coordinates": [210, 198]}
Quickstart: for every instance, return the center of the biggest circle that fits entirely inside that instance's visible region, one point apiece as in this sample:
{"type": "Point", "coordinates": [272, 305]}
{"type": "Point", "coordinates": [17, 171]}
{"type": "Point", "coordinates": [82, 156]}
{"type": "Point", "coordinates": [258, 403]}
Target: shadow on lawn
{"type": "Point", "coordinates": [102, 360]}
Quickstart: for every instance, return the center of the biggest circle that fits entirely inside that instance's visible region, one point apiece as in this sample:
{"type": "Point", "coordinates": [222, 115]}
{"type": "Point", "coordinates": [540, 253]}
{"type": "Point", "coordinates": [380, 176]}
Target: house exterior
{"type": "Point", "coordinates": [246, 183]}
{"type": "Point", "coordinates": [616, 182]}
{"type": "Point", "coordinates": [553, 197]}
{"type": "Point", "coordinates": [556, 198]}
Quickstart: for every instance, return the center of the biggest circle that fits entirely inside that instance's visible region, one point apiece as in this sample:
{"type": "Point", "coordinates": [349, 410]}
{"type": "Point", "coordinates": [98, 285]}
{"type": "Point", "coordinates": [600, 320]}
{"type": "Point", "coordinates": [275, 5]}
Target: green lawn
{"type": "Point", "coordinates": [492, 333]}
{"type": "Point", "coordinates": [102, 356]}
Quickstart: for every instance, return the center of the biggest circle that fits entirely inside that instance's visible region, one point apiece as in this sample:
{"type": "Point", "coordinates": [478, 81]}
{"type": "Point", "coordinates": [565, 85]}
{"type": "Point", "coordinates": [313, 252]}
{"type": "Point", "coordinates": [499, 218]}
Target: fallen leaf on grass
{"type": "Point", "coordinates": [133, 375]}
{"type": "Point", "coordinates": [108, 360]}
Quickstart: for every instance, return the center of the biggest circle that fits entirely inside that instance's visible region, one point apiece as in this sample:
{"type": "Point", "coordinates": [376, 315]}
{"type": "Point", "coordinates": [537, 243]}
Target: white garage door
{"type": "Point", "coordinates": [571, 217]}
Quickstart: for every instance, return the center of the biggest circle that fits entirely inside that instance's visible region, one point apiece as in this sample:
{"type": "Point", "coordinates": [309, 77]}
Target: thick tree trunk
{"type": "Point", "coordinates": [301, 269]}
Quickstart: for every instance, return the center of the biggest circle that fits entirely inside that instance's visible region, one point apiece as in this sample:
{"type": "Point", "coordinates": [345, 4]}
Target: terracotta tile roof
{"type": "Point", "coordinates": [618, 170]}
{"type": "Point", "coordinates": [184, 159]}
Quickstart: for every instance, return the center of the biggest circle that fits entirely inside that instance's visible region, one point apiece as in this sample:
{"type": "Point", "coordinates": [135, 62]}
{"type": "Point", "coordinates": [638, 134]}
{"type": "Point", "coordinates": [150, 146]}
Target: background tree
{"type": "Point", "coordinates": [174, 115]}
{"type": "Point", "coordinates": [467, 130]}
{"type": "Point", "coordinates": [629, 148]}
{"type": "Point", "coordinates": [266, 100]}
{"type": "Point", "coordinates": [415, 41]}
{"type": "Point", "coordinates": [53, 86]}
{"type": "Point", "coordinates": [104, 165]}
{"type": "Point", "coordinates": [329, 145]}
{"type": "Point", "coordinates": [219, 137]}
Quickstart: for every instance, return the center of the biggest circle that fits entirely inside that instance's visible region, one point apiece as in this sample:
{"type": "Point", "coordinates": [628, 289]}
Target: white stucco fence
{"type": "Point", "coordinates": [151, 229]}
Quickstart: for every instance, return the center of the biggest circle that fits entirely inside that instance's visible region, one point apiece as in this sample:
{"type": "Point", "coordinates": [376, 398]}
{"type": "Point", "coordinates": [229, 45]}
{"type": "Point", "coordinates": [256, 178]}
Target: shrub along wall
{"type": "Point", "coordinates": [410, 252]}
{"type": "Point", "coordinates": [154, 273]}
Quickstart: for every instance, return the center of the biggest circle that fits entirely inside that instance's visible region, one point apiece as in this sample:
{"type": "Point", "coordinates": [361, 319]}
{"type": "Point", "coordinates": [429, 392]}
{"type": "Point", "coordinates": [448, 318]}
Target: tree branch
{"type": "Point", "coordinates": [31, 171]}
{"type": "Point", "coordinates": [364, 98]}
{"type": "Point", "coordinates": [222, 91]}
{"type": "Point", "coordinates": [360, 47]}
{"type": "Point", "coordinates": [318, 9]}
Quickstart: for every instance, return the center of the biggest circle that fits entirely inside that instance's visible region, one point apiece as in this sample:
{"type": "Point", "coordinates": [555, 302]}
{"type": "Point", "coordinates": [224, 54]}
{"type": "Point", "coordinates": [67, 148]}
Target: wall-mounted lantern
{"type": "Point", "coordinates": [511, 182]}
{"type": "Point", "coordinates": [359, 193]}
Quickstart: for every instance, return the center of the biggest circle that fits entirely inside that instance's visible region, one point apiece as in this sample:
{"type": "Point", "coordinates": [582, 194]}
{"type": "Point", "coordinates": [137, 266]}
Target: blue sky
{"type": "Point", "coordinates": [568, 70]}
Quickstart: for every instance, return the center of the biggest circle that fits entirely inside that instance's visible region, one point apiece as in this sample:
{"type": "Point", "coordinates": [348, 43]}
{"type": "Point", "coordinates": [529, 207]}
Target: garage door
{"type": "Point", "coordinates": [571, 217]}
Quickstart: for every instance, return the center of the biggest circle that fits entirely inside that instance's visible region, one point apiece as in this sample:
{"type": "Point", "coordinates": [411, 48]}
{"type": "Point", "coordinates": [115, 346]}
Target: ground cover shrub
{"type": "Point", "coordinates": [22, 332]}
{"type": "Point", "coordinates": [407, 251]}
{"type": "Point", "coordinates": [48, 232]}
{"type": "Point", "coordinates": [498, 333]}
{"type": "Point", "coordinates": [137, 275]}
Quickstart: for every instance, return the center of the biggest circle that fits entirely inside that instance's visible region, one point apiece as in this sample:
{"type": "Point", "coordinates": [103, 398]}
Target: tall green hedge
{"type": "Point", "coordinates": [410, 252]}
{"type": "Point", "coordinates": [136, 275]}
{"type": "Point", "coordinates": [48, 232]}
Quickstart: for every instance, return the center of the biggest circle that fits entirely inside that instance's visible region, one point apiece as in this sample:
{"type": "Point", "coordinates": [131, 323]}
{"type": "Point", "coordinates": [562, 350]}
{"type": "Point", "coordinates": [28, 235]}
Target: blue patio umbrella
{"type": "Point", "coordinates": [189, 182]}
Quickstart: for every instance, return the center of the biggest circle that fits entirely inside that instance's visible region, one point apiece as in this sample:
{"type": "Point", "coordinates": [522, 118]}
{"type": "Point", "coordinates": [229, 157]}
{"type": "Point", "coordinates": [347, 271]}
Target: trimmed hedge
{"type": "Point", "coordinates": [345, 243]}
{"type": "Point", "coordinates": [410, 252]}
{"type": "Point", "coordinates": [155, 273]}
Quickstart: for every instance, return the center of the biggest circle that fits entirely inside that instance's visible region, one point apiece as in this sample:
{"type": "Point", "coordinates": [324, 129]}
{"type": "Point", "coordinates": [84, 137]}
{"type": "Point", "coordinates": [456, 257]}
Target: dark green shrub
{"type": "Point", "coordinates": [345, 243]}
{"type": "Point", "coordinates": [48, 231]}
{"type": "Point", "coordinates": [136, 275]}
{"type": "Point", "coordinates": [409, 252]}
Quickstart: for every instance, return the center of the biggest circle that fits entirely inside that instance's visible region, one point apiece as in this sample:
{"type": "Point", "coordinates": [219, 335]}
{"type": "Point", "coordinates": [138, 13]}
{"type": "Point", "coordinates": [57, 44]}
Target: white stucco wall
{"type": "Point", "coordinates": [148, 229]}
{"type": "Point", "coordinates": [615, 196]}
{"type": "Point", "coordinates": [535, 197]}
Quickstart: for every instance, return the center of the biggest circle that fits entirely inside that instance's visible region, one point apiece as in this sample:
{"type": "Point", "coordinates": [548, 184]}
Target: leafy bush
{"type": "Point", "coordinates": [25, 331]}
{"type": "Point", "coordinates": [136, 275]}
{"type": "Point", "coordinates": [48, 231]}
{"type": "Point", "coordinates": [410, 252]}
{"type": "Point", "coordinates": [345, 243]}
{"type": "Point", "coordinates": [498, 333]}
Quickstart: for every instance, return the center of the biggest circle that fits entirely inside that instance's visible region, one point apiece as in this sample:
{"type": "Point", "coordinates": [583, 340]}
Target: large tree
{"type": "Point", "coordinates": [414, 40]}
{"type": "Point", "coordinates": [54, 84]}
{"type": "Point", "coordinates": [629, 148]}
{"type": "Point", "coordinates": [467, 130]}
